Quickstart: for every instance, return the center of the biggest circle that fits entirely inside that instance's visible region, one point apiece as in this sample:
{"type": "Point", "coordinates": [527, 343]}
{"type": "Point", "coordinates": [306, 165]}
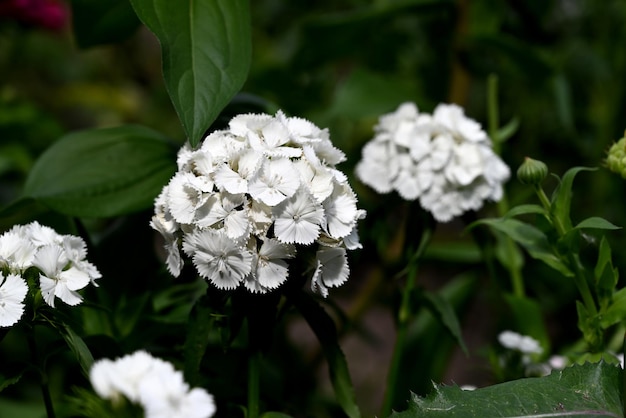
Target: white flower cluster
{"type": "Point", "coordinates": [444, 159]}
{"type": "Point", "coordinates": [60, 260]}
{"type": "Point", "coordinates": [240, 204]}
{"type": "Point", "coordinates": [153, 384]}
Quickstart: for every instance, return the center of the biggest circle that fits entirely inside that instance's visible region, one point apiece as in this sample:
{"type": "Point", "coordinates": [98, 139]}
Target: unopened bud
{"type": "Point", "coordinates": [532, 171]}
{"type": "Point", "coordinates": [616, 157]}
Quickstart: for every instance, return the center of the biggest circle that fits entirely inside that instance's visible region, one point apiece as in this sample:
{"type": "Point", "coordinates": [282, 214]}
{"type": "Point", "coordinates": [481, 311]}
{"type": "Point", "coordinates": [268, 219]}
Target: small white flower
{"type": "Point", "coordinates": [218, 258]}
{"type": "Point", "coordinates": [444, 160]}
{"type": "Point", "coordinates": [186, 193]}
{"type": "Point", "coordinates": [271, 269]}
{"type": "Point", "coordinates": [56, 279]}
{"type": "Point", "coordinates": [522, 343]}
{"type": "Point", "coordinates": [298, 219]}
{"type": "Point", "coordinates": [274, 182]}
{"type": "Point", "coordinates": [13, 290]}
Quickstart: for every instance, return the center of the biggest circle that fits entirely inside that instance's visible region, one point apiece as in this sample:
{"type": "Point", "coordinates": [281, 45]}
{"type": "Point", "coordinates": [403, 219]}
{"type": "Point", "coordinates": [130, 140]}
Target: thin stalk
{"type": "Point", "coordinates": [254, 377]}
{"type": "Point", "coordinates": [45, 390]}
{"type": "Point", "coordinates": [493, 121]}
{"type": "Point", "coordinates": [404, 315]}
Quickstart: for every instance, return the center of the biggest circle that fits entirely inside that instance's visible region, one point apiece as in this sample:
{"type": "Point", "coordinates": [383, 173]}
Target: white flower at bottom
{"type": "Point", "coordinates": [522, 343]}
{"type": "Point", "coordinates": [13, 290]}
{"type": "Point", "coordinates": [152, 383]}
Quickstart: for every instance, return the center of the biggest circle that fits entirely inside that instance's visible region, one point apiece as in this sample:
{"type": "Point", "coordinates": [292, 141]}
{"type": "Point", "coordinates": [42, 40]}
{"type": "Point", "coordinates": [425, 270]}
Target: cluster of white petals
{"type": "Point", "coordinates": [445, 160]}
{"type": "Point", "coordinates": [59, 259]}
{"type": "Point", "coordinates": [522, 343]}
{"type": "Point", "coordinates": [241, 204]}
{"type": "Point", "coordinates": [152, 383]}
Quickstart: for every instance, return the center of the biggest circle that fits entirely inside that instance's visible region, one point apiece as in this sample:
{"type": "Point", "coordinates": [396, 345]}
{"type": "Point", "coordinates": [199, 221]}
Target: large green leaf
{"type": "Point", "coordinates": [593, 389]}
{"type": "Point", "coordinates": [102, 172]}
{"type": "Point", "coordinates": [206, 47]}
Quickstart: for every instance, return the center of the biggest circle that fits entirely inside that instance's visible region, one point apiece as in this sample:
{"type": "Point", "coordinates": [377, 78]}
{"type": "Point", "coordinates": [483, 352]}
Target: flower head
{"type": "Point", "coordinates": [242, 204]}
{"type": "Point", "coordinates": [61, 261]}
{"type": "Point", "coordinates": [152, 383]}
{"type": "Point", "coordinates": [616, 157]}
{"type": "Point", "coordinates": [445, 160]}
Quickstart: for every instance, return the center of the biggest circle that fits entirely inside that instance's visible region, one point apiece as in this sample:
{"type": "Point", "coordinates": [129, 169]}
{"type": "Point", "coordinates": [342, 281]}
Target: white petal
{"type": "Point", "coordinates": [13, 290]}
{"type": "Point", "coordinates": [47, 286]}
{"type": "Point", "coordinates": [334, 270]}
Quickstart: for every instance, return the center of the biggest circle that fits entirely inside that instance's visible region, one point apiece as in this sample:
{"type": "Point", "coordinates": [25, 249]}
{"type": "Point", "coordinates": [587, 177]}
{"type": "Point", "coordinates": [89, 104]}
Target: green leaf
{"type": "Point", "coordinates": [443, 310]}
{"type": "Point", "coordinates": [606, 276]}
{"type": "Point", "coordinates": [562, 197]}
{"type": "Point", "coordinates": [206, 46]}
{"type": "Point", "coordinates": [102, 172]}
{"type": "Point", "coordinates": [616, 312]}
{"type": "Point", "coordinates": [596, 222]}
{"type": "Point", "coordinates": [275, 415]}
{"type": "Point", "coordinates": [102, 21]}
{"type": "Point", "coordinates": [525, 210]}
{"type": "Point", "coordinates": [198, 330]}
{"type": "Point", "coordinates": [78, 347]}
{"type": "Point", "coordinates": [528, 317]}
{"type": "Point", "coordinates": [529, 237]}
{"type": "Point", "coordinates": [6, 381]}
{"type": "Point", "coordinates": [326, 332]}
{"type": "Point", "coordinates": [592, 389]}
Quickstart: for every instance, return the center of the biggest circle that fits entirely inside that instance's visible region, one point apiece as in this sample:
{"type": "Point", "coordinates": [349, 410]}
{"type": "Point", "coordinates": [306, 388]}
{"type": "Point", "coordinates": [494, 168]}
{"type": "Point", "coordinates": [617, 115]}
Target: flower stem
{"type": "Point", "coordinates": [493, 121]}
{"type": "Point", "coordinates": [45, 390]}
{"type": "Point", "coordinates": [254, 377]}
{"type": "Point", "coordinates": [404, 314]}
{"type": "Point", "coordinates": [574, 262]}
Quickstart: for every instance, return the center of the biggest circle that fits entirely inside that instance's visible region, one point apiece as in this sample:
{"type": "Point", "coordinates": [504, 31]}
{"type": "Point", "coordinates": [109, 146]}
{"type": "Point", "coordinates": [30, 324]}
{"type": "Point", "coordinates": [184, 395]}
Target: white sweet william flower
{"type": "Point", "coordinates": [243, 203]}
{"type": "Point", "coordinates": [60, 259]}
{"type": "Point", "coordinates": [299, 219]}
{"type": "Point", "coordinates": [153, 384]}
{"type": "Point", "coordinates": [56, 279]}
{"type": "Point", "coordinates": [445, 160]}
{"type": "Point", "coordinates": [218, 258]}
{"type": "Point", "coordinates": [13, 290]}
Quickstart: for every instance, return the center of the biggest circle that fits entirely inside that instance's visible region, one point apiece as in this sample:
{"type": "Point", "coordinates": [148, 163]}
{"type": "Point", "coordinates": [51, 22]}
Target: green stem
{"type": "Point", "coordinates": [574, 262]}
{"type": "Point", "coordinates": [45, 390]}
{"type": "Point", "coordinates": [404, 314]}
{"type": "Point", "coordinates": [493, 120]}
{"type": "Point", "coordinates": [254, 377]}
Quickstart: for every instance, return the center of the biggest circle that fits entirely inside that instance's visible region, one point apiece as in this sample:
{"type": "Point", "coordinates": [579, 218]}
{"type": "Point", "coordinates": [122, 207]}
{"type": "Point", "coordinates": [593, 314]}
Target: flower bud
{"type": "Point", "coordinates": [532, 171]}
{"type": "Point", "coordinates": [616, 157]}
